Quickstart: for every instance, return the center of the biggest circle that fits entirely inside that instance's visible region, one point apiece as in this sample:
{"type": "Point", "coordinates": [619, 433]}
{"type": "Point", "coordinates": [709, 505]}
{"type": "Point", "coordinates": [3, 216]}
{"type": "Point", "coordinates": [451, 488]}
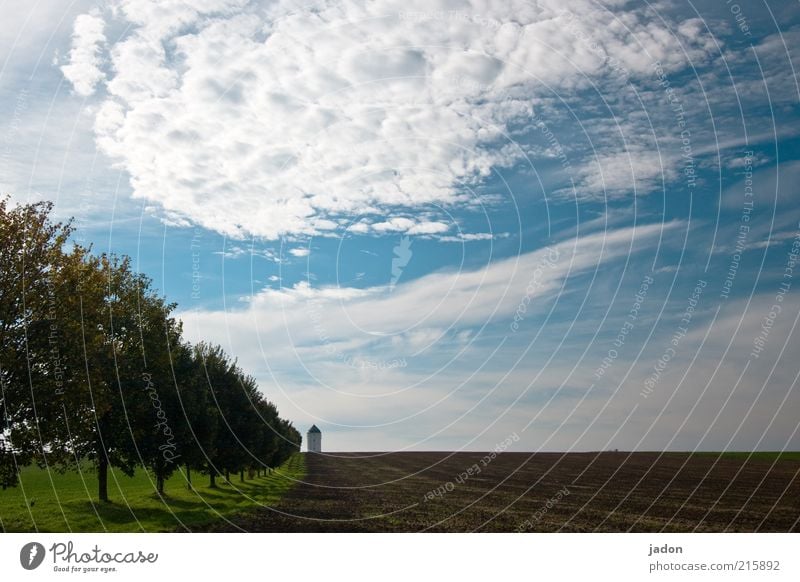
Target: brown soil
{"type": "Point", "coordinates": [411, 492]}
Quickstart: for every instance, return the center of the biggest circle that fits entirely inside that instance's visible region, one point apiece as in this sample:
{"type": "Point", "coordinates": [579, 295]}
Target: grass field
{"type": "Point", "coordinates": [549, 492]}
{"type": "Point", "coordinates": [53, 502]}
{"type": "Point", "coordinates": [435, 492]}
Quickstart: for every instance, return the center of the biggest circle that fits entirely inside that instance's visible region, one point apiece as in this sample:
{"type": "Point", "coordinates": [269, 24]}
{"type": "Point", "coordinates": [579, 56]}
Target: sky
{"type": "Point", "coordinates": [435, 225]}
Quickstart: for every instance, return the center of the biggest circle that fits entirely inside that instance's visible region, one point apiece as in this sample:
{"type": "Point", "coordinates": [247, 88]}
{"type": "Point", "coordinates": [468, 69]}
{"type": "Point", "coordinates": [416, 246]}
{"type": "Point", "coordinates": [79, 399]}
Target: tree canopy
{"type": "Point", "coordinates": [94, 368]}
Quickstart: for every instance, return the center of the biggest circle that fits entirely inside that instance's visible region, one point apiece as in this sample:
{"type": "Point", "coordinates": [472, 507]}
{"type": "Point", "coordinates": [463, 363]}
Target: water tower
{"type": "Point", "coordinates": [314, 440]}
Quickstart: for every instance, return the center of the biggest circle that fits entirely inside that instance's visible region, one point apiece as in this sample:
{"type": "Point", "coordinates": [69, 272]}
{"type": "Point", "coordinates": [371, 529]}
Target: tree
{"type": "Point", "coordinates": [248, 431]}
{"type": "Point", "coordinates": [93, 368]}
{"type": "Point", "coordinates": [139, 417]}
{"type": "Point", "coordinates": [61, 374]}
{"type": "Point", "coordinates": [267, 434]}
{"type": "Point", "coordinates": [160, 447]}
{"type": "Point", "coordinates": [197, 411]}
{"type": "Point", "coordinates": [124, 323]}
{"type": "Point", "coordinates": [8, 464]}
{"type": "Point", "coordinates": [230, 408]}
{"type": "Point", "coordinates": [31, 262]}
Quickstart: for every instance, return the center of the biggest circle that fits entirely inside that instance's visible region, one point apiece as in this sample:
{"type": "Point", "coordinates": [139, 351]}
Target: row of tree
{"type": "Point", "coordinates": [93, 368]}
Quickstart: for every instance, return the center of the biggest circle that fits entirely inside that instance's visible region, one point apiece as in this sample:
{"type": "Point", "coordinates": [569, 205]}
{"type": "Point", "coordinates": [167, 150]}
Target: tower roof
{"type": "Point", "coordinates": [314, 429]}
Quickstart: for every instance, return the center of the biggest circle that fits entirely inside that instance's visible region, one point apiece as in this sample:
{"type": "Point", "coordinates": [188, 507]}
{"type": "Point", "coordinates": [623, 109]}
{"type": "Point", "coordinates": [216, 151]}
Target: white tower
{"type": "Point", "coordinates": [314, 439]}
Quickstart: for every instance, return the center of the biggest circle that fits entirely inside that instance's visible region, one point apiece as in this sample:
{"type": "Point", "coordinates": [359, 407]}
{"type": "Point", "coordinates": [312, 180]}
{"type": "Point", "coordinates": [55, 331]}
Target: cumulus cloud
{"type": "Point", "coordinates": [399, 224]}
{"type": "Point", "coordinates": [281, 120]}
{"type": "Point", "coordinates": [83, 69]}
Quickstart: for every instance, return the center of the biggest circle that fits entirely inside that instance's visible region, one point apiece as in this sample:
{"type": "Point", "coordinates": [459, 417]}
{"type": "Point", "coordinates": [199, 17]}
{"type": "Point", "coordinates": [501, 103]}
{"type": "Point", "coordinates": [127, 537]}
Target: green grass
{"type": "Point", "coordinates": [769, 456]}
{"type": "Point", "coordinates": [52, 502]}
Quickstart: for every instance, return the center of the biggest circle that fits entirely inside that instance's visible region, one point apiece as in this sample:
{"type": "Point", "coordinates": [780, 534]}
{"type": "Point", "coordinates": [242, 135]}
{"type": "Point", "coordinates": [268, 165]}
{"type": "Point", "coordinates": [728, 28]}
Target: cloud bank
{"type": "Point", "coordinates": [279, 119]}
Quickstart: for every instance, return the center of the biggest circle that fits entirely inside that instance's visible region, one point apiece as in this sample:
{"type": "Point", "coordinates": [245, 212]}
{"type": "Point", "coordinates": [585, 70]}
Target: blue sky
{"type": "Point", "coordinates": [433, 226]}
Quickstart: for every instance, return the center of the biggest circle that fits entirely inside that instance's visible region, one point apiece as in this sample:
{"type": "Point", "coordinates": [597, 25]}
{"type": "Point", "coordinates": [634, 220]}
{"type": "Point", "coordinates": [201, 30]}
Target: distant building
{"type": "Point", "coordinates": [314, 439]}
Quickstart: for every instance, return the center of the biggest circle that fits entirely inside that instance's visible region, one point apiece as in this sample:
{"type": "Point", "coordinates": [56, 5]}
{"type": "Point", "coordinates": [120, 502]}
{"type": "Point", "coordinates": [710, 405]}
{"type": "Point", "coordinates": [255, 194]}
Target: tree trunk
{"type": "Point", "coordinates": [212, 480]}
{"type": "Point", "coordinates": [102, 476]}
{"type": "Point", "coordinates": [160, 484]}
{"type": "Point", "coordinates": [188, 478]}
{"type": "Point", "coordinates": [241, 475]}
{"type": "Point", "coordinates": [227, 476]}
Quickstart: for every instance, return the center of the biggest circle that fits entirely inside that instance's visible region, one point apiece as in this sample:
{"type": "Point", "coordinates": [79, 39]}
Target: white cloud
{"type": "Point", "coordinates": [612, 174]}
{"type": "Point", "coordinates": [438, 300]}
{"type": "Point", "coordinates": [412, 226]}
{"type": "Point", "coordinates": [429, 227]}
{"type": "Point", "coordinates": [319, 336]}
{"type": "Point", "coordinates": [473, 236]}
{"type": "Point", "coordinates": [756, 160]}
{"type": "Point", "coordinates": [401, 224]}
{"type": "Point", "coordinates": [279, 120]}
{"type": "Point", "coordinates": [299, 252]}
{"type": "Point", "coordinates": [88, 38]}
{"type": "Point", "coordinates": [415, 366]}
{"type": "Point", "coordinates": [394, 225]}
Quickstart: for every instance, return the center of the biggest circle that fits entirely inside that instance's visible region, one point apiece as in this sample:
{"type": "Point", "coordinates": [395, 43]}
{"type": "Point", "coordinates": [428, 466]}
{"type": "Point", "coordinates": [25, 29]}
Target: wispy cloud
{"type": "Point", "coordinates": [350, 340]}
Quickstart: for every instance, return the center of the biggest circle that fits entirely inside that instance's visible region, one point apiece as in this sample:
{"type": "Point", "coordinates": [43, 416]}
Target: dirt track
{"type": "Point", "coordinates": [409, 492]}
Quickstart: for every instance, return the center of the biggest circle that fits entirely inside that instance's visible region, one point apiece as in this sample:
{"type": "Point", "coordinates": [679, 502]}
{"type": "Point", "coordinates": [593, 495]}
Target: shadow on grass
{"type": "Point", "coordinates": [64, 503]}
{"type": "Point", "coordinates": [165, 513]}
